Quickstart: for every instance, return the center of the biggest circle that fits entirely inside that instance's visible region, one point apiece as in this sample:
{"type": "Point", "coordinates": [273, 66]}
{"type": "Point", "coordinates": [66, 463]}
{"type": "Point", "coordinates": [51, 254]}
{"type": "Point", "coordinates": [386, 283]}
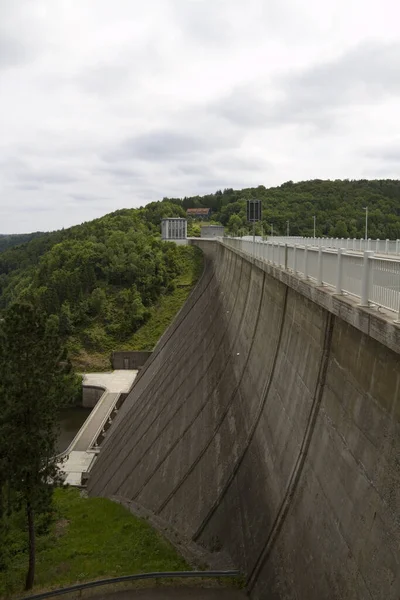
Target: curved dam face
{"type": "Point", "coordinates": [267, 425]}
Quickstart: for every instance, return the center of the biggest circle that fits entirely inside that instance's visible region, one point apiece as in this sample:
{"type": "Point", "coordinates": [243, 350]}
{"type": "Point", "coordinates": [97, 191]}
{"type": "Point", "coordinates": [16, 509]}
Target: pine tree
{"type": "Point", "coordinates": [32, 383]}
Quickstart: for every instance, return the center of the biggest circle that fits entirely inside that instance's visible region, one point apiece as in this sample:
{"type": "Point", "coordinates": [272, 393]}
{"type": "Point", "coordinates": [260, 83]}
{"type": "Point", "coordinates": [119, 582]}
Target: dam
{"type": "Point", "coordinates": [266, 424]}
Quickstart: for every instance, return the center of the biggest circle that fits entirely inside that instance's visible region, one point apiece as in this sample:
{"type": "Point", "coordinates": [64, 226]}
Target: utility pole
{"type": "Point", "coordinates": [315, 218]}
{"type": "Point", "coordinates": [366, 222]}
{"type": "Point", "coordinates": [287, 228]}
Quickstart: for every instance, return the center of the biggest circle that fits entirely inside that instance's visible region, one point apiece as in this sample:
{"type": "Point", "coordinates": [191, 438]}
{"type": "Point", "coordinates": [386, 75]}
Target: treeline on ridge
{"type": "Point", "coordinates": [337, 205]}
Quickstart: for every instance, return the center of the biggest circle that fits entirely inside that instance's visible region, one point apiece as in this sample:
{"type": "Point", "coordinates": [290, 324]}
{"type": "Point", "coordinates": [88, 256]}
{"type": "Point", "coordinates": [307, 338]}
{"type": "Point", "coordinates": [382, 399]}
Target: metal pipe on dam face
{"type": "Point", "coordinates": [267, 424]}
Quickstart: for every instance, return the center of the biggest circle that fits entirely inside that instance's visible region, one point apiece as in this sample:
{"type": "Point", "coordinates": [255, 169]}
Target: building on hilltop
{"type": "Point", "coordinates": [174, 230]}
{"type": "Point", "coordinates": [198, 213]}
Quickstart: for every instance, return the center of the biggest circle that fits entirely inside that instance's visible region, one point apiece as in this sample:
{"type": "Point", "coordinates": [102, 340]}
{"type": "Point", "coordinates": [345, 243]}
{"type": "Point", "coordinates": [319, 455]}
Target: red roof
{"type": "Point", "coordinates": [197, 211]}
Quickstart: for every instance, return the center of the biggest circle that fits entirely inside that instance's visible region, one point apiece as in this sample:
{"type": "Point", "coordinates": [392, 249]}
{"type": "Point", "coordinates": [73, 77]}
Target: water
{"type": "Point", "coordinates": [71, 420]}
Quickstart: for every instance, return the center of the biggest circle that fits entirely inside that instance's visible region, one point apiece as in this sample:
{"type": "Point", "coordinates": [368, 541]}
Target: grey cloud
{"type": "Point", "coordinates": [121, 172]}
{"type": "Point", "coordinates": [193, 169]}
{"type": "Point", "coordinates": [244, 107]}
{"type": "Point", "coordinates": [40, 209]}
{"type": "Point", "coordinates": [21, 38]}
{"type": "Point", "coordinates": [225, 164]}
{"type": "Point", "coordinates": [160, 145]}
{"type": "Point", "coordinates": [12, 51]}
{"type": "Point", "coordinates": [207, 25]}
{"type": "Point", "coordinates": [102, 79]}
{"type": "Point", "coordinates": [25, 176]}
{"type": "Point", "coordinates": [88, 198]}
{"type": "Point", "coordinates": [364, 75]}
{"type": "Point", "coordinates": [49, 177]}
{"type": "Point", "coordinates": [390, 153]}
{"type": "Point", "coordinates": [29, 187]}
{"type": "Point", "coordinates": [243, 163]}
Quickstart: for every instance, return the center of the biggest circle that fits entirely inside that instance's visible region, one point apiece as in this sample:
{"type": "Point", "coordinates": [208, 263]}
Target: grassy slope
{"type": "Point", "coordinates": [92, 538]}
{"type": "Point", "coordinates": [164, 312]}
{"type": "Point", "coordinates": [161, 316]}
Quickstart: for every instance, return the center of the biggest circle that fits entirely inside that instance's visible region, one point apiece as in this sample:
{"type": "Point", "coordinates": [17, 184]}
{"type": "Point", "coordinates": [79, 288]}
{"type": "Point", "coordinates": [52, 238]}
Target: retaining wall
{"type": "Point", "coordinates": [91, 394]}
{"type": "Point", "coordinates": [267, 423]}
{"type": "Point", "coordinates": [129, 359]}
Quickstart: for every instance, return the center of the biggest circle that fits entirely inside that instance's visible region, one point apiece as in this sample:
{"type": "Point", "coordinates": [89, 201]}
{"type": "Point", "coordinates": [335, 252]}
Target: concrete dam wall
{"type": "Point", "coordinates": [267, 423]}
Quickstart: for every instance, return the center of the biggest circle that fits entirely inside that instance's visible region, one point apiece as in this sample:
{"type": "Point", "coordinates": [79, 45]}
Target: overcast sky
{"type": "Point", "coordinates": [106, 104]}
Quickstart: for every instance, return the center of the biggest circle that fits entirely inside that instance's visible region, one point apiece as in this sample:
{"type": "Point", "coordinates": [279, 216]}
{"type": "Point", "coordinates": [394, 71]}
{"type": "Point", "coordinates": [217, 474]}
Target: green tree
{"type": "Point", "coordinates": [340, 230]}
{"type": "Point", "coordinates": [32, 384]}
{"type": "Point", "coordinates": [234, 224]}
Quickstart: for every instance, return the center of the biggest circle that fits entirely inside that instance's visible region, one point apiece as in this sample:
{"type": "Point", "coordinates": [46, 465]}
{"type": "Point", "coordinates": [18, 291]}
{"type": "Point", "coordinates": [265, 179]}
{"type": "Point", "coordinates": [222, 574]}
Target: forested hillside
{"type": "Point", "coordinates": [337, 205]}
{"type": "Point", "coordinates": [10, 240]}
{"type": "Point", "coordinates": [107, 278]}
{"type": "Point", "coordinates": [102, 279]}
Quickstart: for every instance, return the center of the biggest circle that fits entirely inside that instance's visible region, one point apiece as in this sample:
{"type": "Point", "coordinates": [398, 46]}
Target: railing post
{"type": "Point", "coordinates": [306, 262]}
{"type": "Point", "coordinates": [366, 277]}
{"type": "Point", "coordinates": [387, 247]}
{"type": "Point", "coordinates": [286, 256]}
{"type": "Point", "coordinates": [339, 278]}
{"type": "Point", "coordinates": [397, 246]}
{"type": "Point", "coordinates": [369, 244]}
{"type": "Point", "coordinates": [319, 276]}
{"type": "Point", "coordinates": [295, 259]}
{"type": "Point", "coordinates": [377, 245]}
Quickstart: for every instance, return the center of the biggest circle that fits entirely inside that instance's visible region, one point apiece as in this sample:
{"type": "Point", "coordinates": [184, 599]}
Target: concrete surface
{"type": "Point", "coordinates": [129, 359]}
{"type": "Point", "coordinates": [172, 593]}
{"type": "Point", "coordinates": [91, 394]}
{"type": "Point", "coordinates": [108, 386]}
{"type": "Point", "coordinates": [267, 423]}
{"type": "Point", "coordinates": [120, 380]}
{"type": "Point", "coordinates": [75, 464]}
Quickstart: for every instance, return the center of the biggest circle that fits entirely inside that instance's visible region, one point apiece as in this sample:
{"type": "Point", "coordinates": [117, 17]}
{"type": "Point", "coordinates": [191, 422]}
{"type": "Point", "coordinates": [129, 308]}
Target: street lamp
{"type": "Point", "coordinates": [366, 221]}
{"type": "Point", "coordinates": [315, 218]}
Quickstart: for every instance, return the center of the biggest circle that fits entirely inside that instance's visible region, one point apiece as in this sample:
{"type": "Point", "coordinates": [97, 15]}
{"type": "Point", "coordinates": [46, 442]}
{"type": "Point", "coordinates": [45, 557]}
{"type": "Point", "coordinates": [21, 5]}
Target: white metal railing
{"type": "Point", "coordinates": [354, 244]}
{"type": "Point", "coordinates": [375, 280]}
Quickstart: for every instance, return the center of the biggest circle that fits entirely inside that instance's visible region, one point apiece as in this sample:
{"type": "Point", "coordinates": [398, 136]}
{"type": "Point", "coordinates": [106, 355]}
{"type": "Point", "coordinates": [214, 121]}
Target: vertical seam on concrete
{"type": "Point", "coordinates": [169, 497]}
{"type": "Point", "coordinates": [264, 397]}
{"type": "Point", "coordinates": [171, 418]}
{"type": "Point", "coordinates": [175, 325]}
{"type": "Point", "coordinates": [125, 423]}
{"type": "Point", "coordinates": [300, 462]}
{"type": "Point", "coordinates": [162, 384]}
{"type": "Point", "coordinates": [173, 328]}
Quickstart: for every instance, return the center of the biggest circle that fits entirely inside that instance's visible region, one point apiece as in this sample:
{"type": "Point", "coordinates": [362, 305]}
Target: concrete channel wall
{"type": "Point", "coordinates": [129, 359]}
{"type": "Point", "coordinates": [91, 394]}
{"type": "Point", "coordinates": [267, 423]}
